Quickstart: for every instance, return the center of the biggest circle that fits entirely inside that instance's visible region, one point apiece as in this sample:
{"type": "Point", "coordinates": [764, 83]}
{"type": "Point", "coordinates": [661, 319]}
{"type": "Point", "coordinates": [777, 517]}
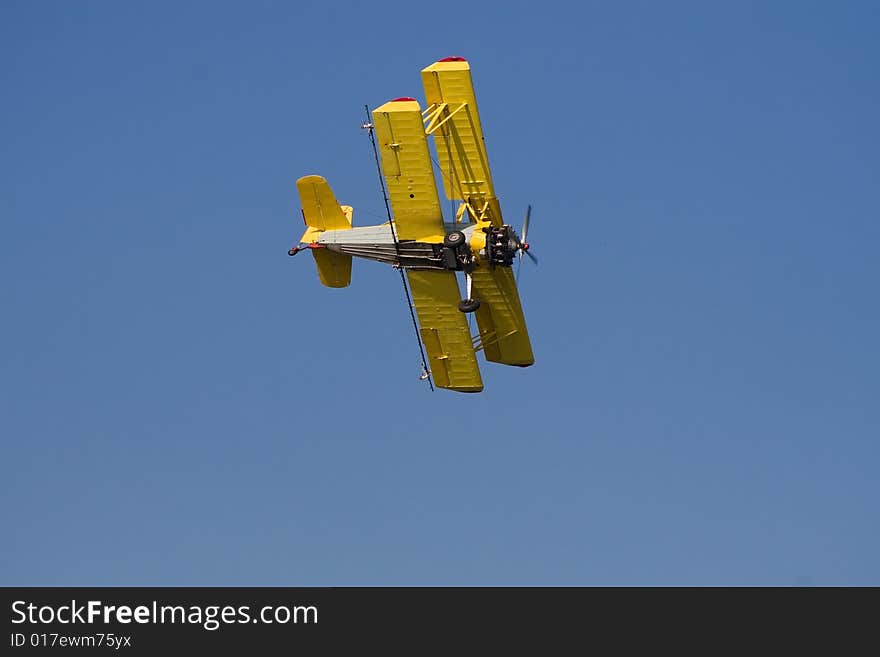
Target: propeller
{"type": "Point", "coordinates": [522, 246]}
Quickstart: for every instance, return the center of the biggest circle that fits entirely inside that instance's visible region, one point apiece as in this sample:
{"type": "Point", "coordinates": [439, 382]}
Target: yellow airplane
{"type": "Point", "coordinates": [418, 242]}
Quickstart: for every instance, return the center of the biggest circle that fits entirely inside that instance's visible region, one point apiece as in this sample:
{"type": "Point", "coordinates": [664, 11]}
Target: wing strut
{"type": "Point", "coordinates": [426, 373]}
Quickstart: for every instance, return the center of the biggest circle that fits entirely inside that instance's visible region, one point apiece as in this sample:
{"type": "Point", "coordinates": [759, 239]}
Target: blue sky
{"type": "Point", "coordinates": [183, 404]}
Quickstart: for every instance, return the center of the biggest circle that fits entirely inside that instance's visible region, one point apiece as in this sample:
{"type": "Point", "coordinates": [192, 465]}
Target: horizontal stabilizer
{"type": "Point", "coordinates": [334, 269]}
{"type": "Point", "coordinates": [322, 212]}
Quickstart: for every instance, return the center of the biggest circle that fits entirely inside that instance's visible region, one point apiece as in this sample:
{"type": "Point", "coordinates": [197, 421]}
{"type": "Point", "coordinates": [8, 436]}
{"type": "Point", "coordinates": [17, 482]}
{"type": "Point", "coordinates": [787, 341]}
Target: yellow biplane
{"type": "Point", "coordinates": [416, 240]}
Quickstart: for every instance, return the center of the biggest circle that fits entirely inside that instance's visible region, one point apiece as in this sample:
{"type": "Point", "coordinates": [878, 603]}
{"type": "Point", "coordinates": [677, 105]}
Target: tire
{"type": "Point", "coordinates": [468, 305]}
{"type": "Point", "coordinates": [454, 239]}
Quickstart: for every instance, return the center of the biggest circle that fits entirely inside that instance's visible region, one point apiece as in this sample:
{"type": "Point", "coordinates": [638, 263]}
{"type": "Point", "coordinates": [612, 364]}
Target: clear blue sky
{"type": "Point", "coordinates": [183, 404]}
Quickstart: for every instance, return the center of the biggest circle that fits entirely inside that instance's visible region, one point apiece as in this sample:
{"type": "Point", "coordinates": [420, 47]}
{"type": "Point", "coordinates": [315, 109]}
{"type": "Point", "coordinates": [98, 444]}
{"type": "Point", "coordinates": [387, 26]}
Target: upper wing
{"type": "Point", "coordinates": [500, 317]}
{"type": "Point", "coordinates": [406, 165]}
{"type": "Point", "coordinates": [453, 119]}
{"type": "Point", "coordinates": [444, 330]}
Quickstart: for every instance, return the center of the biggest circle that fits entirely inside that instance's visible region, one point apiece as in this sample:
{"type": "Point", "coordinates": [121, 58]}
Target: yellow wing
{"type": "Point", "coordinates": [444, 330]}
{"type": "Point", "coordinates": [452, 117]}
{"type": "Point", "coordinates": [406, 165]}
{"type": "Point", "coordinates": [500, 317]}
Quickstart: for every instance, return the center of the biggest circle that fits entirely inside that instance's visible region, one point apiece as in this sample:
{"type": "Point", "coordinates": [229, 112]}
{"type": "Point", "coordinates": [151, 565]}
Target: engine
{"type": "Point", "coordinates": [501, 245]}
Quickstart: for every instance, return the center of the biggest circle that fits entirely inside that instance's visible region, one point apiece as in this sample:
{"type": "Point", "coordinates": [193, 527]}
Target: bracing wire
{"type": "Point", "coordinates": [412, 312]}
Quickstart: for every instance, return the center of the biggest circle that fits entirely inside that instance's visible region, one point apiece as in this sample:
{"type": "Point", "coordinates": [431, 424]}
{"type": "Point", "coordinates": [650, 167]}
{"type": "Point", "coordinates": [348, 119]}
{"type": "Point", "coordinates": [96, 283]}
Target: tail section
{"type": "Point", "coordinates": [334, 269]}
{"type": "Point", "coordinates": [321, 212]}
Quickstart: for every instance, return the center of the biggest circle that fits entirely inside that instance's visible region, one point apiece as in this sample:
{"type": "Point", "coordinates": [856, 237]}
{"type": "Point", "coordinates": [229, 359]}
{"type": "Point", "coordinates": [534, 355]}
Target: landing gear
{"type": "Point", "coordinates": [454, 239]}
{"type": "Point", "coordinates": [469, 304]}
{"type": "Point", "coordinates": [457, 256]}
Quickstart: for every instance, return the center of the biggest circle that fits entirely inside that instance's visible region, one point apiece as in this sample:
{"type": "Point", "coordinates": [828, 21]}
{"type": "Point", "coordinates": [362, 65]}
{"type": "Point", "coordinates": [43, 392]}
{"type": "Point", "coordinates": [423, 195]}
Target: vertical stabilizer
{"type": "Point", "coordinates": [321, 211]}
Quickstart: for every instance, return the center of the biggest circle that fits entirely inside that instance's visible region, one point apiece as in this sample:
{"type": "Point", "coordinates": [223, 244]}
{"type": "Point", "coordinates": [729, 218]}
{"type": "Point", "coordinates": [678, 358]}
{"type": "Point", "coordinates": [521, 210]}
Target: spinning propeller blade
{"type": "Point", "coordinates": [522, 246]}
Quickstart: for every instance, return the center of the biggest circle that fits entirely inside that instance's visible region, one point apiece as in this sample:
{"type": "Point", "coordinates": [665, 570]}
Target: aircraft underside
{"type": "Point", "coordinates": [377, 243]}
{"type": "Point", "coordinates": [427, 251]}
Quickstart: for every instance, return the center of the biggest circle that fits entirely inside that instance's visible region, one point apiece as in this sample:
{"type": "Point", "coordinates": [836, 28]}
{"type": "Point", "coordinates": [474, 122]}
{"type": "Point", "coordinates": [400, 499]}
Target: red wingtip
{"type": "Point", "coordinates": [453, 59]}
{"type": "Point", "coordinates": [404, 99]}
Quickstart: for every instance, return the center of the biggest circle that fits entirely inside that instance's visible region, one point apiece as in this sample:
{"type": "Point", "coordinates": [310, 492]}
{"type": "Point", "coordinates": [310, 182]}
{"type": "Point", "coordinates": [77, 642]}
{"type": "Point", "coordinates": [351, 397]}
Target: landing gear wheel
{"type": "Point", "coordinates": [468, 305]}
{"type": "Point", "coordinates": [454, 239]}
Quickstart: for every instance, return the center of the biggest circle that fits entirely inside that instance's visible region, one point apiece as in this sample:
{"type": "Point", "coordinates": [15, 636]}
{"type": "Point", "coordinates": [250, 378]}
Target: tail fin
{"type": "Point", "coordinates": [321, 211]}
